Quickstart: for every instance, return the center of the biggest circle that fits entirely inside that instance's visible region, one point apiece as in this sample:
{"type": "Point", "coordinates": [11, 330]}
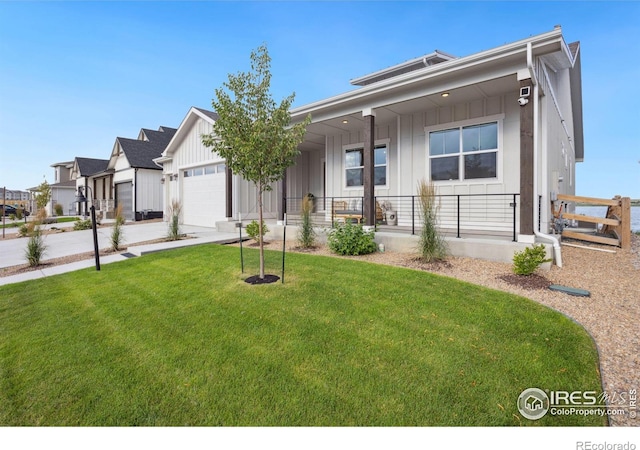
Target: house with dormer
{"type": "Point", "coordinates": [498, 132]}
{"type": "Point", "coordinates": [63, 189]}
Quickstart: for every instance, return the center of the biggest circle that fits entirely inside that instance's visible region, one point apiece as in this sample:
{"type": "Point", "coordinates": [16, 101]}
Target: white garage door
{"type": "Point", "coordinates": [203, 195]}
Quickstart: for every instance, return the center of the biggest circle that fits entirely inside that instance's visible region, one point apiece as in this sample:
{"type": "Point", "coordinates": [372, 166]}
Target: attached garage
{"type": "Point", "coordinates": [124, 197]}
{"type": "Point", "coordinates": [203, 199]}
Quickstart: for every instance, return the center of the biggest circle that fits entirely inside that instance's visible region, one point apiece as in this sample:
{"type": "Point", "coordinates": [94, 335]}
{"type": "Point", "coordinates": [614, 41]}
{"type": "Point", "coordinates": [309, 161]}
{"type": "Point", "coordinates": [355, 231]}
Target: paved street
{"type": "Point", "coordinates": [12, 251]}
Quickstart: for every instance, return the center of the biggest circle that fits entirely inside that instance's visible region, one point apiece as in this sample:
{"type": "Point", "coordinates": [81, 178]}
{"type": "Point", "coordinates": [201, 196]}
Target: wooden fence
{"type": "Point", "coordinates": [617, 221]}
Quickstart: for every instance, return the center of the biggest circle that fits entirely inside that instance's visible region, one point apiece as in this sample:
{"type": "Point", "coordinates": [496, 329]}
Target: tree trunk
{"type": "Point", "coordinates": [261, 241]}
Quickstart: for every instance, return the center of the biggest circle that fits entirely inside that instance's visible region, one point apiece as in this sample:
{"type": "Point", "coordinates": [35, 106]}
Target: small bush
{"type": "Point", "coordinates": [82, 225]}
{"type": "Point", "coordinates": [306, 233]}
{"type": "Point", "coordinates": [117, 234]}
{"type": "Point", "coordinates": [174, 221]}
{"type": "Point", "coordinates": [19, 213]}
{"type": "Point", "coordinates": [24, 230]}
{"type": "Point", "coordinates": [432, 245]}
{"type": "Point", "coordinates": [351, 239]}
{"type": "Point", "coordinates": [36, 248]}
{"type": "Point", "coordinates": [527, 261]}
{"type": "Point", "coordinates": [12, 216]}
{"type": "Point", "coordinates": [253, 230]}
{"type": "Point", "coordinates": [59, 210]}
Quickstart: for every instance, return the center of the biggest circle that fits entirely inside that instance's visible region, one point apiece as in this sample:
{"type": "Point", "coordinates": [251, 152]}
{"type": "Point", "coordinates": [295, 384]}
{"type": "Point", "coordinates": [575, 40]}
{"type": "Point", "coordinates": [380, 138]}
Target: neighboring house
{"type": "Point", "coordinates": [82, 171]}
{"type": "Point", "coordinates": [15, 197]}
{"type": "Point", "coordinates": [131, 178]}
{"type": "Point", "coordinates": [505, 123]}
{"type": "Point", "coordinates": [63, 189]}
{"type": "Point", "coordinates": [198, 178]}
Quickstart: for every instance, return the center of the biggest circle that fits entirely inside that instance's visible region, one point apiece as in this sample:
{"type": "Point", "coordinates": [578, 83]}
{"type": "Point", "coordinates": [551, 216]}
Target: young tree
{"type": "Point", "coordinates": [252, 133]}
{"type": "Point", "coordinates": [43, 194]}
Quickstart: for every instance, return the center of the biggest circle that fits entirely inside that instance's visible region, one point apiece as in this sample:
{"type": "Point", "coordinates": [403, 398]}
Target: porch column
{"type": "Point", "coordinates": [228, 189]}
{"type": "Point", "coordinates": [282, 198]}
{"type": "Point", "coordinates": [368, 178]}
{"type": "Point", "coordinates": [526, 163]}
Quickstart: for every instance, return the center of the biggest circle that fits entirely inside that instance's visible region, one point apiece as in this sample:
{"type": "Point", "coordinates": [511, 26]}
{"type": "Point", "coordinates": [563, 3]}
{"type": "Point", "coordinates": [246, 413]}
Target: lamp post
{"type": "Point", "coordinates": [80, 198]}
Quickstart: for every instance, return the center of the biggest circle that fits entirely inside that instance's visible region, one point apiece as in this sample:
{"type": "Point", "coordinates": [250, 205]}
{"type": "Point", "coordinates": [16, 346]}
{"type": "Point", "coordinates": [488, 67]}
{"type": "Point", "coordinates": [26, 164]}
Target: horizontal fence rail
{"type": "Point", "coordinates": [457, 214]}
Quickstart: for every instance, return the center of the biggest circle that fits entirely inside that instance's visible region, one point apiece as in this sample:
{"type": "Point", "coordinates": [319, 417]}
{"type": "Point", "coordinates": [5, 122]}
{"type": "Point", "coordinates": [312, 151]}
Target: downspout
{"type": "Point", "coordinates": [557, 253]}
{"type": "Point", "coordinates": [135, 194]}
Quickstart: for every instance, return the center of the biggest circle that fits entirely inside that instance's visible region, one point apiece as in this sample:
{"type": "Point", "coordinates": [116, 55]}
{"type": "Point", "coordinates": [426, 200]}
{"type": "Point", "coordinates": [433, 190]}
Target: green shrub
{"type": "Point", "coordinates": [19, 213]}
{"type": "Point", "coordinates": [527, 261]}
{"type": "Point", "coordinates": [82, 225]}
{"type": "Point", "coordinates": [59, 210]}
{"type": "Point", "coordinates": [36, 247]}
{"type": "Point", "coordinates": [351, 239]}
{"type": "Point", "coordinates": [23, 230]}
{"type": "Point", "coordinates": [432, 245]}
{"type": "Point", "coordinates": [306, 233]}
{"type": "Point", "coordinates": [12, 216]}
{"type": "Point", "coordinates": [253, 230]}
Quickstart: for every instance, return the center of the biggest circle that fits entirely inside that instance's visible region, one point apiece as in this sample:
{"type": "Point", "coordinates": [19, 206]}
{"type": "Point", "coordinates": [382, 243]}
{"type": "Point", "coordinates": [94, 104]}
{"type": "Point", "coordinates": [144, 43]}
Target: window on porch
{"type": "Point", "coordinates": [464, 153]}
{"type": "Point", "coordinates": [354, 166]}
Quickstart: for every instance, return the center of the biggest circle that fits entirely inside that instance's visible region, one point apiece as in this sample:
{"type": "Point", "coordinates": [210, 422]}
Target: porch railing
{"type": "Point", "coordinates": [458, 214]}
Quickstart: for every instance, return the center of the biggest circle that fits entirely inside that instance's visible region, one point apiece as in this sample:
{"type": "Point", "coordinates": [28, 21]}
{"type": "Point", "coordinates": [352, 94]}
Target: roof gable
{"type": "Point", "coordinates": [187, 123]}
{"type": "Point", "coordinates": [141, 152]}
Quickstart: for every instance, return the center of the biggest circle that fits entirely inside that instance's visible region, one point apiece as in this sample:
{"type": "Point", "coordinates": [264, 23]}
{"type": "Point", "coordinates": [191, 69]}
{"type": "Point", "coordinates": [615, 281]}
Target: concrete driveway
{"type": "Point", "coordinates": [12, 251]}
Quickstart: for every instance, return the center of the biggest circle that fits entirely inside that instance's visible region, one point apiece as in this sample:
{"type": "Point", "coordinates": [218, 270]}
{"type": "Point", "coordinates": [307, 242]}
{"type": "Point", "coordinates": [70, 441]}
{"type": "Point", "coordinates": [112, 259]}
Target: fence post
{"type": "Point", "coordinates": [458, 196]}
{"type": "Point", "coordinates": [413, 214]}
{"type": "Point", "coordinates": [625, 225]}
{"type": "Point", "coordinates": [333, 214]}
{"type": "Point", "coordinates": [514, 217]}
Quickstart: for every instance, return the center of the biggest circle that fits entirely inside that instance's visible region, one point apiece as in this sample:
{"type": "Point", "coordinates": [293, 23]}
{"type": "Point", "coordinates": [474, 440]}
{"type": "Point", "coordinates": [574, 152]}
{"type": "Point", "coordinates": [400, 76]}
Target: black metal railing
{"type": "Point", "coordinates": [457, 214]}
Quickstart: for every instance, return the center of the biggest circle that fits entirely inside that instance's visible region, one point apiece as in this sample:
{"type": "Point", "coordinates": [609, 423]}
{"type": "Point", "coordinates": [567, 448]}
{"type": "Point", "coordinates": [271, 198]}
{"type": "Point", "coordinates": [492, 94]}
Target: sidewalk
{"type": "Point", "coordinates": [72, 243]}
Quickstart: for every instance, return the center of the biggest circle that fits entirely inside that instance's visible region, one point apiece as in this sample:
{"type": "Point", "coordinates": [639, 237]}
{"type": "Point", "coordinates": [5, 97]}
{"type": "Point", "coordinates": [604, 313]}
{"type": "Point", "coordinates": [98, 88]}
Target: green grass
{"type": "Point", "coordinates": [17, 223]}
{"type": "Point", "coordinates": [177, 338]}
{"type": "Point", "coordinates": [10, 224]}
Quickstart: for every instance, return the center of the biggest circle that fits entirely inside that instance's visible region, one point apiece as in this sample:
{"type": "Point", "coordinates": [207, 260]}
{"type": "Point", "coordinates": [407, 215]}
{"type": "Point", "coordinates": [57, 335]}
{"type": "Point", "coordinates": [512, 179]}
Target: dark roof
{"type": "Point", "coordinates": [65, 184]}
{"type": "Point", "coordinates": [140, 154]}
{"type": "Point", "coordinates": [89, 166]}
{"type": "Point", "coordinates": [210, 114]}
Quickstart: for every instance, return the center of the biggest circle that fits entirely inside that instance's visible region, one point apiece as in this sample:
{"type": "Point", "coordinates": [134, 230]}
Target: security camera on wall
{"type": "Point", "coordinates": [524, 93]}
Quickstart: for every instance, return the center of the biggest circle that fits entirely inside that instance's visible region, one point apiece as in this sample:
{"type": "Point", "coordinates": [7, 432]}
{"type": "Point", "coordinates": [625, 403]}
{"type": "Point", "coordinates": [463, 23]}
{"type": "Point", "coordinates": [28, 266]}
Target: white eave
{"type": "Point", "coordinates": [545, 43]}
{"type": "Point", "coordinates": [435, 57]}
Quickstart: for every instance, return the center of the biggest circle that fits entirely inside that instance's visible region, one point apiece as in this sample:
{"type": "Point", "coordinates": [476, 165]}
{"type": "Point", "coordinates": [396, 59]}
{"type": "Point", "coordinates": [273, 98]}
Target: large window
{"type": "Point", "coordinates": [464, 153]}
{"type": "Point", "coordinates": [354, 166]}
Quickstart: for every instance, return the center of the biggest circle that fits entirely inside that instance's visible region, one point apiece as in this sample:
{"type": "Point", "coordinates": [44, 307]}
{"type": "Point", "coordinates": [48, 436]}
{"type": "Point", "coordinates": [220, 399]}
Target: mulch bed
{"type": "Point", "coordinates": [529, 282]}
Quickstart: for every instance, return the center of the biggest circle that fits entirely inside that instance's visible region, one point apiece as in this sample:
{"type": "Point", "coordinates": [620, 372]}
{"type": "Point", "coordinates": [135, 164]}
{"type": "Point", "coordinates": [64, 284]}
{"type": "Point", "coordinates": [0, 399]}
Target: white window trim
{"type": "Point", "coordinates": [360, 145]}
{"type": "Point", "coordinates": [184, 168]}
{"type": "Point", "coordinates": [499, 119]}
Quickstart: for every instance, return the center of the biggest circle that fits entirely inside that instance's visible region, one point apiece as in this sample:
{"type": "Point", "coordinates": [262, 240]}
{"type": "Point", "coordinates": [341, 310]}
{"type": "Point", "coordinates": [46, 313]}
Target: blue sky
{"type": "Point", "coordinates": [76, 75]}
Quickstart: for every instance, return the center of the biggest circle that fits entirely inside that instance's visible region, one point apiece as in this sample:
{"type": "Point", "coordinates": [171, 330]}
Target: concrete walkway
{"type": "Point", "coordinates": [12, 251]}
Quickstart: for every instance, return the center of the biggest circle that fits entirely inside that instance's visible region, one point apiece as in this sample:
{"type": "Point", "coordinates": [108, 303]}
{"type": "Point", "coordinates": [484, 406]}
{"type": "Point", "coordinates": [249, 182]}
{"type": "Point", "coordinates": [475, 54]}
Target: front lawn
{"type": "Point", "coordinates": [177, 338]}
